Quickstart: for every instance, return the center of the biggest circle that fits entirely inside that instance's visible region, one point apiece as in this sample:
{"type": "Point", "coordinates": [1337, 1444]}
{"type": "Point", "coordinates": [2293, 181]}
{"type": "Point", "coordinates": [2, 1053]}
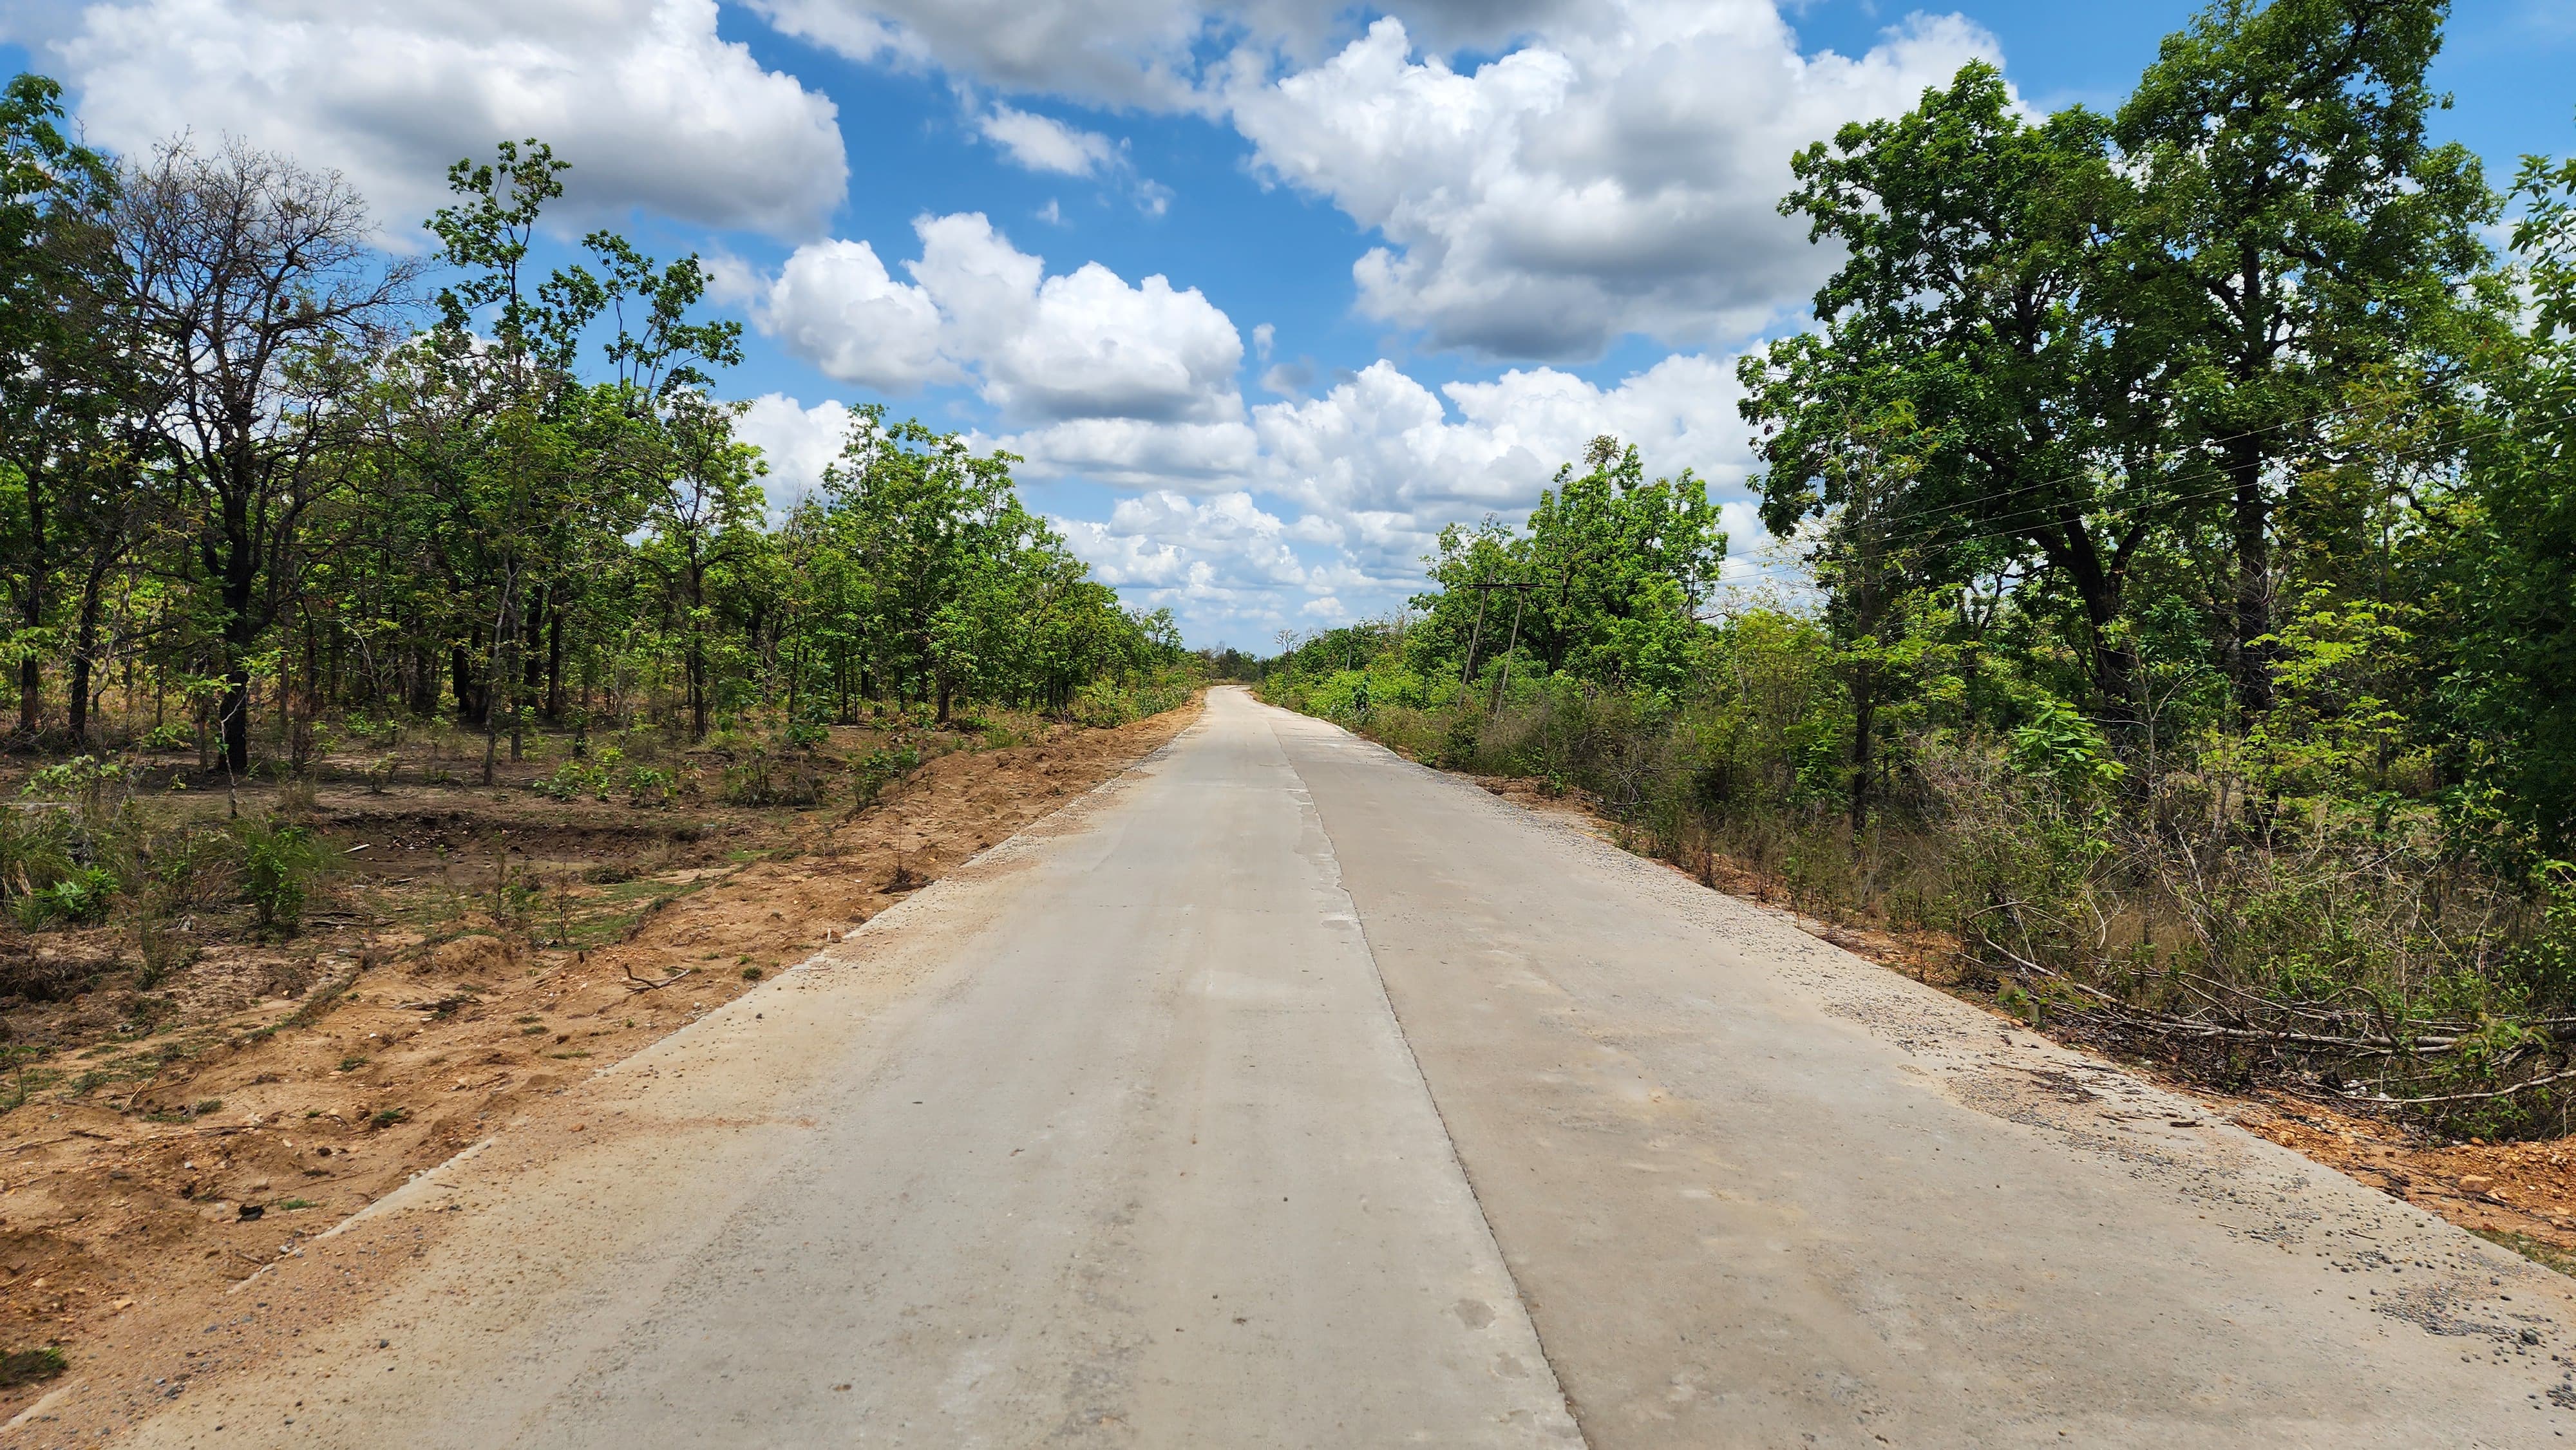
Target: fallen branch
{"type": "Point", "coordinates": [2383, 1099]}
{"type": "Point", "coordinates": [635, 983]}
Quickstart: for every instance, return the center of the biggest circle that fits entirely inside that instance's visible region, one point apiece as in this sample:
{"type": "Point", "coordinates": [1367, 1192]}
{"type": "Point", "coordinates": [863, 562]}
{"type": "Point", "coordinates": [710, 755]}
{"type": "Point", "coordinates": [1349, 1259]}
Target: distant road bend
{"type": "Point", "coordinates": [1284, 1093]}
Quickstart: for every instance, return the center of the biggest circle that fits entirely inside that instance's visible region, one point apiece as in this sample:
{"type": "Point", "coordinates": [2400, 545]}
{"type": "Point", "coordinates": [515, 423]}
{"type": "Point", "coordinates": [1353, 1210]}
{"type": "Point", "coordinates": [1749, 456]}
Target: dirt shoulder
{"type": "Point", "coordinates": [2521, 1195]}
{"type": "Point", "coordinates": [480, 951]}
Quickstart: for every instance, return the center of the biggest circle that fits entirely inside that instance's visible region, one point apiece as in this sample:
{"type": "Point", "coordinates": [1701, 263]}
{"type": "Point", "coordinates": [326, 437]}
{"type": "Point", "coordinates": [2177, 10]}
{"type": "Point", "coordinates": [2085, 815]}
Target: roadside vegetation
{"type": "Point", "coordinates": [404, 648]}
{"type": "Point", "coordinates": [279, 509]}
{"type": "Point", "coordinates": [2175, 609]}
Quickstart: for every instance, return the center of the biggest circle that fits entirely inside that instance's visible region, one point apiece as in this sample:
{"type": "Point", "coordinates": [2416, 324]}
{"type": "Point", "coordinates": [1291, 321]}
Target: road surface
{"type": "Point", "coordinates": [1284, 1093]}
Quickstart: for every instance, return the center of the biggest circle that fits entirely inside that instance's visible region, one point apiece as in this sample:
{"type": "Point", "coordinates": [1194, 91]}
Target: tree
{"type": "Point", "coordinates": [62, 384]}
{"type": "Point", "coordinates": [706, 521]}
{"type": "Point", "coordinates": [2294, 229]}
{"type": "Point", "coordinates": [914, 508]}
{"type": "Point", "coordinates": [262, 305]}
{"type": "Point", "coordinates": [1972, 301]}
{"type": "Point", "coordinates": [2513, 575]}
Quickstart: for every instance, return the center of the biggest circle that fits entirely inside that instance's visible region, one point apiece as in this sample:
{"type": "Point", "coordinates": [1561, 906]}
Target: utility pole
{"type": "Point", "coordinates": [1520, 597]}
{"type": "Point", "coordinates": [1467, 671]}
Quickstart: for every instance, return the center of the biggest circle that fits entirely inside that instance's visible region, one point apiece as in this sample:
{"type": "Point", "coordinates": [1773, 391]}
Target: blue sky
{"type": "Point", "coordinates": [1264, 290]}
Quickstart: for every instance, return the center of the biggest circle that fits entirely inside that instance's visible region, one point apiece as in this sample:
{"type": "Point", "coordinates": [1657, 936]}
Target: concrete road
{"type": "Point", "coordinates": [1284, 1093]}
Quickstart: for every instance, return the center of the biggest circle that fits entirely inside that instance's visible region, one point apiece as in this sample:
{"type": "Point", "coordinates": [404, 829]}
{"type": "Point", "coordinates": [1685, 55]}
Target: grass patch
{"type": "Point", "coordinates": [613, 914]}
{"type": "Point", "coordinates": [27, 1366]}
{"type": "Point", "coordinates": [2547, 1256]}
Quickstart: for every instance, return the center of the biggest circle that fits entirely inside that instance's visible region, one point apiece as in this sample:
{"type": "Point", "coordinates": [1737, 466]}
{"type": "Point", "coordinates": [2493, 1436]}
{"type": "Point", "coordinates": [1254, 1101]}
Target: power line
{"type": "Point", "coordinates": [2005, 526]}
{"type": "Point", "coordinates": [1975, 499]}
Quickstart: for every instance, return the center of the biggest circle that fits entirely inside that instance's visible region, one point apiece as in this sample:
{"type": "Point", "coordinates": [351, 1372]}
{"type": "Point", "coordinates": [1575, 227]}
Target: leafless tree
{"type": "Point", "coordinates": [264, 303]}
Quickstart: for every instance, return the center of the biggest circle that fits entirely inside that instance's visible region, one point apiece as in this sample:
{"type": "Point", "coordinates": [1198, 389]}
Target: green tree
{"type": "Point", "coordinates": [2294, 229]}
{"type": "Point", "coordinates": [63, 388]}
{"type": "Point", "coordinates": [2513, 571]}
{"type": "Point", "coordinates": [1971, 302]}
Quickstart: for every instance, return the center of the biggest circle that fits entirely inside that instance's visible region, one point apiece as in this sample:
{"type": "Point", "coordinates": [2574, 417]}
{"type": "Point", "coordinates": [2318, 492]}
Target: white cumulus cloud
{"type": "Point", "coordinates": [835, 306]}
{"type": "Point", "coordinates": [1314, 508]}
{"type": "Point", "coordinates": [650, 106]}
{"type": "Point", "coordinates": [1043, 143]}
{"type": "Point", "coordinates": [797, 443]}
{"type": "Point", "coordinates": [1080, 345]}
{"type": "Point", "coordinates": [1126, 52]}
{"type": "Point", "coordinates": [1377, 464]}
{"type": "Point", "coordinates": [1617, 174]}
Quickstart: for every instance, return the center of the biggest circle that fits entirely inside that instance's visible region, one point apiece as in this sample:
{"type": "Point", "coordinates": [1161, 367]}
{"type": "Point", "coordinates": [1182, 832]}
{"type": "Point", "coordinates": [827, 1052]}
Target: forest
{"type": "Point", "coordinates": [2174, 612]}
{"type": "Point", "coordinates": [265, 485]}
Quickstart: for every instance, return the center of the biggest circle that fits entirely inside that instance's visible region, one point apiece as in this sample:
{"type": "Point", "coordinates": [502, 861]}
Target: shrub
{"type": "Point", "coordinates": [878, 769]}
{"type": "Point", "coordinates": [191, 866]}
{"type": "Point", "coordinates": [573, 780]}
{"type": "Point", "coordinates": [82, 897]}
{"type": "Point", "coordinates": [762, 779]}
{"type": "Point", "coordinates": [648, 786]}
{"type": "Point", "coordinates": [169, 735]}
{"type": "Point", "coordinates": [35, 849]}
{"type": "Point", "coordinates": [279, 865]}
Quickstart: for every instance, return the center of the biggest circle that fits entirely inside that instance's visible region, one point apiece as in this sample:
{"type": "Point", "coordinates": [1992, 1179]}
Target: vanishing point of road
{"type": "Point", "coordinates": [1284, 1093]}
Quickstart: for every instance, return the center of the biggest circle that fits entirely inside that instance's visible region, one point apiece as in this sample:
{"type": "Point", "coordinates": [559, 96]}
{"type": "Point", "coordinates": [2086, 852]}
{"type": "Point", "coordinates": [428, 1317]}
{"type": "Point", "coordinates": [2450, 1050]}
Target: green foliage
{"type": "Point", "coordinates": [279, 865]}
{"type": "Point", "coordinates": [2063, 748]}
{"type": "Point", "coordinates": [649, 786]}
{"type": "Point", "coordinates": [878, 769]}
{"type": "Point", "coordinates": [575, 779]}
{"type": "Point", "coordinates": [29, 1366]}
{"type": "Point", "coordinates": [773, 778]}
{"type": "Point", "coordinates": [35, 849]}
{"type": "Point", "coordinates": [83, 897]}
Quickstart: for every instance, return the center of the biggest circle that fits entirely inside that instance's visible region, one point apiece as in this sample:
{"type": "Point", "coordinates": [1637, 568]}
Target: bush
{"type": "Point", "coordinates": [169, 735]}
{"type": "Point", "coordinates": [573, 780]}
{"type": "Point", "coordinates": [2341, 945]}
{"type": "Point", "coordinates": [191, 866]}
{"type": "Point", "coordinates": [83, 897]}
{"type": "Point", "coordinates": [764, 779]}
{"type": "Point", "coordinates": [35, 849]}
{"type": "Point", "coordinates": [880, 768]}
{"type": "Point", "coordinates": [279, 865]}
{"type": "Point", "coordinates": [648, 786]}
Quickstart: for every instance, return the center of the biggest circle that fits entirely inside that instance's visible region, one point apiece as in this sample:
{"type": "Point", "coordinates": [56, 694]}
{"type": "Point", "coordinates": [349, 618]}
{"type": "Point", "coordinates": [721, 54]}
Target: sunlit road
{"type": "Point", "coordinates": [1285, 1093]}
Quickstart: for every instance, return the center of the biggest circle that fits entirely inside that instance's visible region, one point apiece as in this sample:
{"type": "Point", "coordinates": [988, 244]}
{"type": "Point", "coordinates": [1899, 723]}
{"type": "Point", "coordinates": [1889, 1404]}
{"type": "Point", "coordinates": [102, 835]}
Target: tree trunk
{"type": "Point", "coordinates": [471, 695]}
{"type": "Point", "coordinates": [423, 681]}
{"type": "Point", "coordinates": [31, 611]}
{"type": "Point", "coordinates": [234, 719]}
{"type": "Point", "coordinates": [1864, 693]}
{"type": "Point", "coordinates": [697, 685]}
{"type": "Point", "coordinates": [2248, 657]}
{"type": "Point", "coordinates": [241, 638]}
{"type": "Point", "coordinates": [554, 659]}
{"type": "Point", "coordinates": [84, 647]}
